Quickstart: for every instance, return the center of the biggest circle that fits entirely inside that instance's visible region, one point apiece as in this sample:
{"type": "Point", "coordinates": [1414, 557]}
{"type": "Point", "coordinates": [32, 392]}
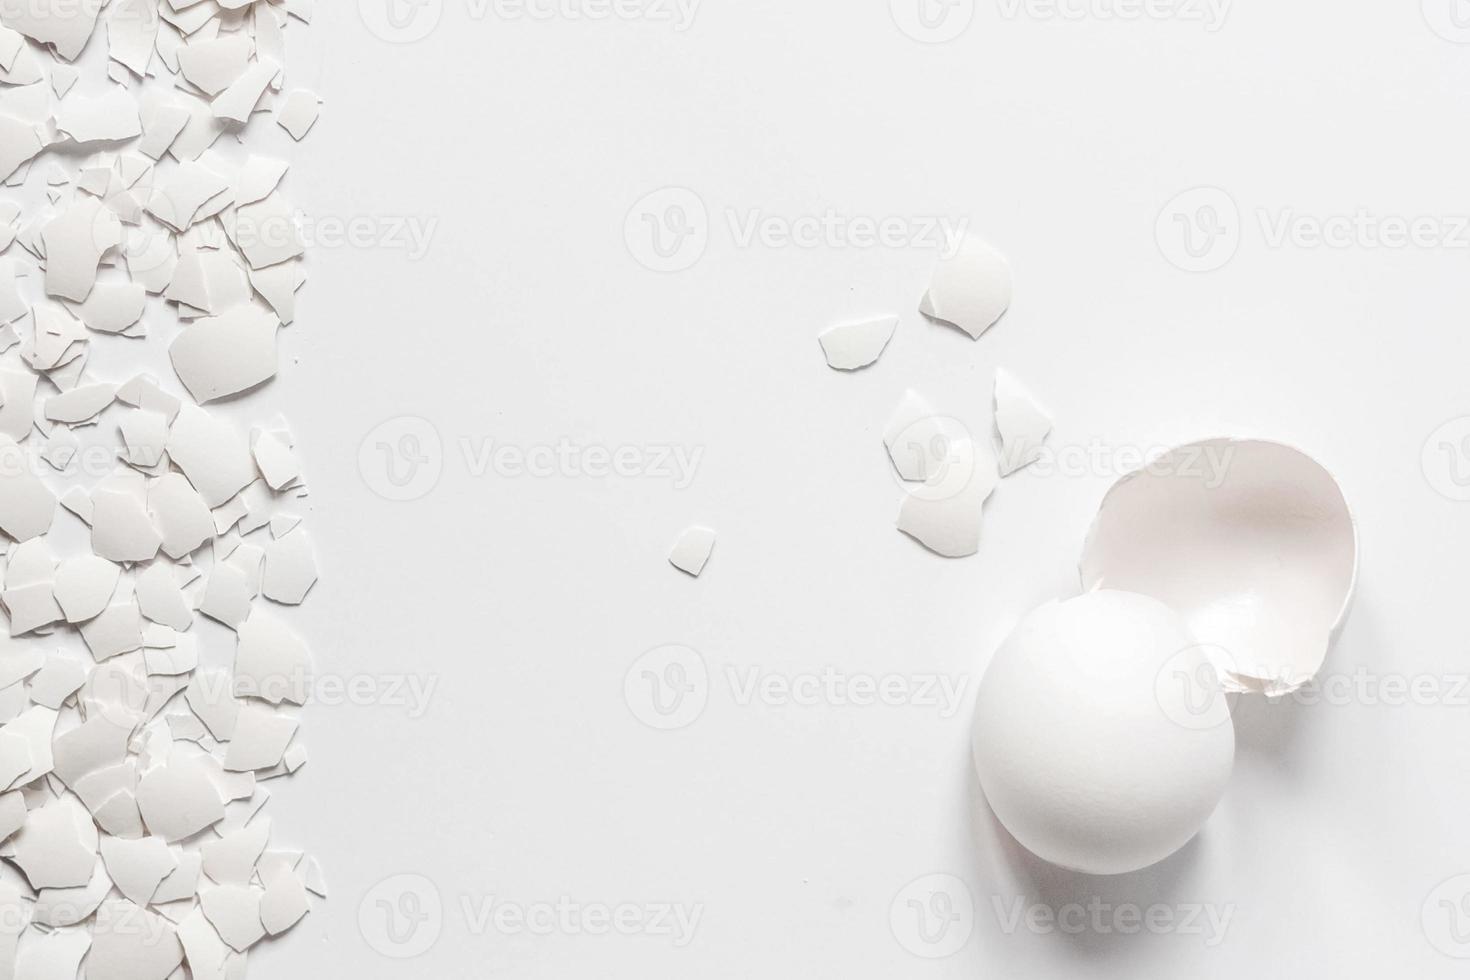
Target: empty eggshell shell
{"type": "Point", "coordinates": [1252, 542]}
{"type": "Point", "coordinates": [1088, 751]}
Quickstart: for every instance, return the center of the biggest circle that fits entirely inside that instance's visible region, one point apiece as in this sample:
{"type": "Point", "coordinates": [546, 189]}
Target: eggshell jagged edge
{"type": "Point", "coordinates": [1236, 675]}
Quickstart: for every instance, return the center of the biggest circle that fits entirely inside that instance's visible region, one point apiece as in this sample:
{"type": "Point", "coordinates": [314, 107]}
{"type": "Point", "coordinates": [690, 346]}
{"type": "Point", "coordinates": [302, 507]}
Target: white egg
{"type": "Point", "coordinates": [1102, 740]}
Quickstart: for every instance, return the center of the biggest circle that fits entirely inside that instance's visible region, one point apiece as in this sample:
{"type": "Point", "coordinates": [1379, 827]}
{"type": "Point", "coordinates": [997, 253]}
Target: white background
{"type": "Point", "coordinates": [529, 321]}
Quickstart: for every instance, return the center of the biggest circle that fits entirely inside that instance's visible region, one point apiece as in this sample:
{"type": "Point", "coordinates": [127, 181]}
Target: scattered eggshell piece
{"type": "Point", "coordinates": [1022, 423]}
{"type": "Point", "coordinates": [111, 116]}
{"type": "Point", "coordinates": [944, 514]}
{"type": "Point", "coordinates": [211, 454]}
{"type": "Point", "coordinates": [234, 911]}
{"type": "Point", "coordinates": [183, 520]}
{"type": "Point", "coordinates": [27, 506]}
{"type": "Point", "coordinates": [226, 354]}
{"type": "Point", "coordinates": [113, 307]}
{"type": "Point", "coordinates": [261, 736]}
{"type": "Point", "coordinates": [84, 585]}
{"type": "Point", "coordinates": [57, 847]}
{"type": "Point", "coordinates": [179, 799]}
{"type": "Point", "coordinates": [121, 529]}
{"type": "Point", "coordinates": [690, 553]}
{"type": "Point", "coordinates": [80, 404]}
{"type": "Point", "coordinates": [52, 955]}
{"type": "Point", "coordinates": [856, 345]}
{"type": "Point", "coordinates": [971, 288]}
{"type": "Point", "coordinates": [138, 866]}
{"type": "Point", "coordinates": [75, 241]}
{"type": "Point", "coordinates": [131, 943]}
{"type": "Point", "coordinates": [231, 859]}
{"type": "Point", "coordinates": [920, 441]}
{"type": "Point", "coordinates": [271, 661]}
{"type": "Point", "coordinates": [65, 26]}
{"type": "Point", "coordinates": [299, 112]}
{"type": "Point", "coordinates": [285, 901]}
{"type": "Point", "coordinates": [290, 567]}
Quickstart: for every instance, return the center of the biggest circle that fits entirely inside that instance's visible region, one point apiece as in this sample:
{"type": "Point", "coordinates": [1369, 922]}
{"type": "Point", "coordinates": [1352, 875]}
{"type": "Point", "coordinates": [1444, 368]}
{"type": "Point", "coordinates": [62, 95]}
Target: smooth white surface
{"type": "Point", "coordinates": [799, 829]}
{"type": "Point", "coordinates": [1088, 749]}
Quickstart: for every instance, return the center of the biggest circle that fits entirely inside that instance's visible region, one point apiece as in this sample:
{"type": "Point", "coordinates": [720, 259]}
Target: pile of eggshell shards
{"type": "Point", "coordinates": [150, 677]}
{"type": "Point", "coordinates": [949, 473]}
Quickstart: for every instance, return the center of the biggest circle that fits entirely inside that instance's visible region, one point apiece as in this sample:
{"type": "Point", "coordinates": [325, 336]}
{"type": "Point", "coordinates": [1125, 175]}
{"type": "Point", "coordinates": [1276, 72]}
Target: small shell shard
{"type": "Point", "coordinates": [971, 288]}
{"type": "Point", "coordinates": [691, 552]}
{"type": "Point", "coordinates": [851, 346]}
{"type": "Point", "coordinates": [1023, 425]}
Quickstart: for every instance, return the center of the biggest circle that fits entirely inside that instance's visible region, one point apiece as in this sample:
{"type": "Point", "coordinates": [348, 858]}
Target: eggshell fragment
{"type": "Point", "coordinates": [1088, 752]}
{"type": "Point", "coordinates": [920, 441]}
{"type": "Point", "coordinates": [299, 112]}
{"type": "Point", "coordinates": [1252, 542]}
{"type": "Point", "coordinates": [57, 847]}
{"type": "Point", "coordinates": [84, 585]}
{"type": "Point", "coordinates": [179, 799]}
{"type": "Point", "coordinates": [27, 506]}
{"type": "Point", "coordinates": [1022, 424]}
{"type": "Point", "coordinates": [131, 943]}
{"type": "Point", "coordinates": [212, 455]}
{"type": "Point", "coordinates": [856, 345]}
{"type": "Point", "coordinates": [944, 513]}
{"type": "Point", "coordinates": [225, 354]}
{"type": "Point", "coordinates": [690, 552]}
{"type": "Point", "coordinates": [971, 288]}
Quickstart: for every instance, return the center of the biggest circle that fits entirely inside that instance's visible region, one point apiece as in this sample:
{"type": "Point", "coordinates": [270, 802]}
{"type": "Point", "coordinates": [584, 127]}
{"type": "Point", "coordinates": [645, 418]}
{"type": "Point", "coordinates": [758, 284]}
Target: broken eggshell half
{"type": "Point", "coordinates": [1250, 541]}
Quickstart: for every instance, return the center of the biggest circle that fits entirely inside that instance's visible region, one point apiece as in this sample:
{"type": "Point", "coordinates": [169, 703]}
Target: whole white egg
{"type": "Point", "coordinates": [1102, 740]}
